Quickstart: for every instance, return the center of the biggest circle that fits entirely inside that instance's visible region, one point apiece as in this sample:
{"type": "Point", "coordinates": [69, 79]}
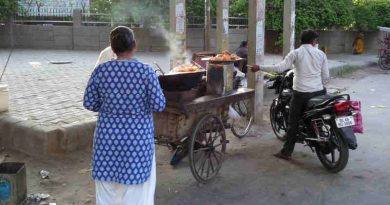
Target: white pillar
{"type": "Point", "coordinates": [288, 26]}
{"type": "Point", "coordinates": [222, 25]}
{"type": "Point", "coordinates": [177, 24]}
{"type": "Point", "coordinates": [256, 32]}
{"type": "Point", "coordinates": [207, 24]}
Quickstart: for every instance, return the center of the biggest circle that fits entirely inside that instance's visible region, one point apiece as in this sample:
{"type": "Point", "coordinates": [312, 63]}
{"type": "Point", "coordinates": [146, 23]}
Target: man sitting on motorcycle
{"type": "Point", "coordinates": [310, 74]}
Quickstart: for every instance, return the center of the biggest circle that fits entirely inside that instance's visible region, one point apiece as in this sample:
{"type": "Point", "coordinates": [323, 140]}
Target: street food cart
{"type": "Point", "coordinates": [384, 49]}
{"type": "Point", "coordinates": [196, 116]}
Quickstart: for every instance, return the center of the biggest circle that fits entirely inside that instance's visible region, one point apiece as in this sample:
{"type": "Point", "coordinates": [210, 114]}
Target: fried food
{"type": "Point", "coordinates": [225, 56]}
{"type": "Point", "coordinates": [186, 68]}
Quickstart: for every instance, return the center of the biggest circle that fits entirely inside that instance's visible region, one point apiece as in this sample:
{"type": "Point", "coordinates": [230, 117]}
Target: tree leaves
{"type": "Point", "coordinates": [369, 14]}
{"type": "Point", "coordinates": [7, 8]}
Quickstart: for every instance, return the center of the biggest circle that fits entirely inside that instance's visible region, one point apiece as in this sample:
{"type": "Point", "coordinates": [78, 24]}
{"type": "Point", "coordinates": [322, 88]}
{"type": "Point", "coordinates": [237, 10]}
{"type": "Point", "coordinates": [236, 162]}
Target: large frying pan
{"type": "Point", "coordinates": [182, 81]}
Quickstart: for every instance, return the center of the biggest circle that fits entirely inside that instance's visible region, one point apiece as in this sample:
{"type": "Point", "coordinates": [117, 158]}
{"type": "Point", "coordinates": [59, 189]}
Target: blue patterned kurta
{"type": "Point", "coordinates": [125, 93]}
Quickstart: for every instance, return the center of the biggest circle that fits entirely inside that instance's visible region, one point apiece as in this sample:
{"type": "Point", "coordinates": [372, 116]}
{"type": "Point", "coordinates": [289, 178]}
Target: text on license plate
{"type": "Point", "coordinates": [345, 121]}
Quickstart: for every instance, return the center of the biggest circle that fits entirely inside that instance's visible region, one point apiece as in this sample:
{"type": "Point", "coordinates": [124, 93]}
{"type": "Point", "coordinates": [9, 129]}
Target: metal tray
{"type": "Point", "coordinates": [222, 62]}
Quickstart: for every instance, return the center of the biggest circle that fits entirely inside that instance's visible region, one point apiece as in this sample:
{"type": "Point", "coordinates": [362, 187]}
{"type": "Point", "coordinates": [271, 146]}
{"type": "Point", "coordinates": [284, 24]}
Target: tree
{"type": "Point", "coordinates": [7, 8]}
{"type": "Point", "coordinates": [313, 14]}
{"type": "Point", "coordinates": [238, 8]}
{"type": "Point", "coordinates": [369, 14]}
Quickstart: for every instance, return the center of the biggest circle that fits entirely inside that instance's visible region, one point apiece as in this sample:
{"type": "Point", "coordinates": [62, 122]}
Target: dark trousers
{"type": "Point", "coordinates": [297, 107]}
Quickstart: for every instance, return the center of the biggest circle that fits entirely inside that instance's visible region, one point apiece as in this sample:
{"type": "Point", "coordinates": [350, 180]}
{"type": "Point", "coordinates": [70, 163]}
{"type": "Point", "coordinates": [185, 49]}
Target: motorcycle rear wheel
{"type": "Point", "coordinates": [279, 128]}
{"type": "Point", "coordinates": [336, 143]}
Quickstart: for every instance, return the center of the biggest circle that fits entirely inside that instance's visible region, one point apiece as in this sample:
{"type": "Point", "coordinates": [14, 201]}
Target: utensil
{"type": "Point", "coordinates": [196, 64]}
{"type": "Point", "coordinates": [159, 68]}
{"type": "Point", "coordinates": [181, 81]}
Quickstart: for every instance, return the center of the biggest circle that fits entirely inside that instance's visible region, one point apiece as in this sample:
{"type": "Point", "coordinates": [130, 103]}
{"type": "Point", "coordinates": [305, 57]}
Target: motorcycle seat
{"type": "Point", "coordinates": [313, 102]}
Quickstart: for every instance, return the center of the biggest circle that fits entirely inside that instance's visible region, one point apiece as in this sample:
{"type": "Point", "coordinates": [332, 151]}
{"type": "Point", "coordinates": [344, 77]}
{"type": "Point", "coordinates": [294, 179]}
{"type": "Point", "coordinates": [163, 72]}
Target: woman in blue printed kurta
{"type": "Point", "coordinates": [125, 92]}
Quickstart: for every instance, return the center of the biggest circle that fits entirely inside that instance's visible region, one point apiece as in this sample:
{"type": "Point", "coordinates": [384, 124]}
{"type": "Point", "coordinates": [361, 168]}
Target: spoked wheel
{"type": "Point", "coordinates": [384, 61]}
{"type": "Point", "coordinates": [207, 148]}
{"type": "Point", "coordinates": [241, 126]}
{"type": "Point", "coordinates": [334, 153]}
{"type": "Point", "coordinates": [278, 122]}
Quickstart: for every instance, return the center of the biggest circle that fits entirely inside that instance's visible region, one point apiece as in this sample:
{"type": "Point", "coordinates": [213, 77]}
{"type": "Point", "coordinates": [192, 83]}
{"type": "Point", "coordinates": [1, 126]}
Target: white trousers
{"type": "Point", "coordinates": [111, 193]}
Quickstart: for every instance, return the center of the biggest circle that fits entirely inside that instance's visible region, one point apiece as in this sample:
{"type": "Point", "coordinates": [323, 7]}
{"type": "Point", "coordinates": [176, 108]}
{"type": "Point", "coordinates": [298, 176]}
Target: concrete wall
{"type": "Point", "coordinates": [72, 38]}
{"type": "Point", "coordinates": [195, 38]}
{"type": "Point", "coordinates": [341, 41]}
{"type": "Point", "coordinates": [80, 37]}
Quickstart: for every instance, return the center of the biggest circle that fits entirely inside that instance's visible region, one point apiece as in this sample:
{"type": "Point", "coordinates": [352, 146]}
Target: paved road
{"type": "Point", "coordinates": [50, 95]}
{"type": "Point", "coordinates": [251, 175]}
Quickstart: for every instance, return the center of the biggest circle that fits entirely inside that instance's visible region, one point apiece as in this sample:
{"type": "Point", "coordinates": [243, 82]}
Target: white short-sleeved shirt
{"type": "Point", "coordinates": [310, 68]}
{"type": "Point", "coordinates": [106, 55]}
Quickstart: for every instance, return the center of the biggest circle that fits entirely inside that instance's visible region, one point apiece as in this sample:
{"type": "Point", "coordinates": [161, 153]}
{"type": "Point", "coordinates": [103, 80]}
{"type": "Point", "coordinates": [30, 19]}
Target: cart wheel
{"type": "Point", "coordinates": [240, 127]}
{"type": "Point", "coordinates": [207, 148]}
{"type": "Point", "coordinates": [384, 61]}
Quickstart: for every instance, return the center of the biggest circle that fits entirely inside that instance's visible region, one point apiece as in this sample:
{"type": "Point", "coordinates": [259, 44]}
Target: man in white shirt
{"type": "Point", "coordinates": [106, 55]}
{"type": "Point", "coordinates": [310, 74]}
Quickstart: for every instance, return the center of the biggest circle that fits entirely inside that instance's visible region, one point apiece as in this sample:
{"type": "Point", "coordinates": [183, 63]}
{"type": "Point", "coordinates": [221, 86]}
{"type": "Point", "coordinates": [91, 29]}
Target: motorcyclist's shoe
{"type": "Point", "coordinates": [280, 155]}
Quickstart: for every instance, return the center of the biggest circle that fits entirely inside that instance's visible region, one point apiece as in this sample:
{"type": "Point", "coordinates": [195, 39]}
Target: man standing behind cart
{"type": "Point", "coordinates": [242, 52]}
{"type": "Point", "coordinates": [310, 74]}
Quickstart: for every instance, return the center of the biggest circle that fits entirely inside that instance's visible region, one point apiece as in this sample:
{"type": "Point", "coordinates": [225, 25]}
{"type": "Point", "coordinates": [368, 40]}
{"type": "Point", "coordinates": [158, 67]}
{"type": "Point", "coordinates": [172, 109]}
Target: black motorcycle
{"type": "Point", "coordinates": [326, 125]}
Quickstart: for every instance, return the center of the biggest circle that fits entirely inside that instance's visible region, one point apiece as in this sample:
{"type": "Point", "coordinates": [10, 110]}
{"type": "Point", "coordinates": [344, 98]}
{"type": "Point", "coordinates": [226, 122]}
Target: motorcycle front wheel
{"type": "Point", "coordinates": [333, 154]}
{"type": "Point", "coordinates": [278, 122]}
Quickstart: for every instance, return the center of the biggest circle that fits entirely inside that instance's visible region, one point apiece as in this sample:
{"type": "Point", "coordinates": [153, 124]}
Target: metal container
{"type": "Point", "coordinates": [13, 187]}
{"type": "Point", "coordinates": [180, 81]}
{"type": "Point", "coordinates": [4, 97]}
{"type": "Point", "coordinates": [220, 78]}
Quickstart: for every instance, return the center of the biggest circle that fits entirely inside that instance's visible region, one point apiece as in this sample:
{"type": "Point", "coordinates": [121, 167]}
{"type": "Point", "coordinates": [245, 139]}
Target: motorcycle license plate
{"type": "Point", "coordinates": [345, 121]}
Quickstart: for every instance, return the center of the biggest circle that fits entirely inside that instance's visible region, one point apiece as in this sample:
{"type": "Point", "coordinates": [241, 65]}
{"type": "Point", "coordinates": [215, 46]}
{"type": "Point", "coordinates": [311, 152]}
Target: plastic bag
{"type": "Point", "coordinates": [356, 106]}
{"type": "Point", "coordinates": [233, 114]}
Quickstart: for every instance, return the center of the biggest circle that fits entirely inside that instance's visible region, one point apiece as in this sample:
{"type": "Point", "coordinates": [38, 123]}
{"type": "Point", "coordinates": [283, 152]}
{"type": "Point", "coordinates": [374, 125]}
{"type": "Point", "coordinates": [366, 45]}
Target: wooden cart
{"type": "Point", "coordinates": [197, 128]}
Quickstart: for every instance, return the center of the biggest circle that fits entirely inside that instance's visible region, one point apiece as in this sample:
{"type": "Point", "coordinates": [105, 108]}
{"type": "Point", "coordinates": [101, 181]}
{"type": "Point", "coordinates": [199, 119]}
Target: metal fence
{"type": "Point", "coordinates": [234, 22]}
{"type": "Point", "coordinates": [60, 16]}
{"type": "Point", "coordinates": [44, 16]}
{"type": "Point", "coordinates": [99, 19]}
{"type": "Point", "coordinates": [238, 22]}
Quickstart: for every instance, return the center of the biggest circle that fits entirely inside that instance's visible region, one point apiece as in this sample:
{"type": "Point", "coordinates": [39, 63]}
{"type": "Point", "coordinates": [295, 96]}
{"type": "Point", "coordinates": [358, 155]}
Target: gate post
{"type": "Point", "coordinates": [256, 32]}
{"type": "Point", "coordinates": [288, 26]}
{"type": "Point", "coordinates": [222, 25]}
{"type": "Point", "coordinates": [177, 24]}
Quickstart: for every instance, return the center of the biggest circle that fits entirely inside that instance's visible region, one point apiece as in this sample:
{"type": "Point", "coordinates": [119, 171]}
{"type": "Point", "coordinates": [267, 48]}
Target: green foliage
{"type": "Point", "coordinates": [7, 8]}
{"type": "Point", "coordinates": [371, 13]}
{"type": "Point", "coordinates": [316, 14]}
{"type": "Point", "coordinates": [239, 8]}
{"type": "Point", "coordinates": [131, 7]}
{"type": "Point", "coordinates": [313, 14]}
{"type": "Point", "coordinates": [274, 15]}
{"type": "Point", "coordinates": [101, 6]}
{"type": "Point", "coordinates": [131, 10]}
{"type": "Point", "coordinates": [319, 14]}
{"type": "Point", "coordinates": [196, 7]}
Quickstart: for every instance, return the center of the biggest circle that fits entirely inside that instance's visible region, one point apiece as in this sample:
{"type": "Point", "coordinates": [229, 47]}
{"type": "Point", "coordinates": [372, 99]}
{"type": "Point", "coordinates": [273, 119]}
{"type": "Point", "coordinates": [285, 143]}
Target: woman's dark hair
{"type": "Point", "coordinates": [122, 39]}
{"type": "Point", "coordinates": [243, 44]}
{"type": "Point", "coordinates": [308, 36]}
